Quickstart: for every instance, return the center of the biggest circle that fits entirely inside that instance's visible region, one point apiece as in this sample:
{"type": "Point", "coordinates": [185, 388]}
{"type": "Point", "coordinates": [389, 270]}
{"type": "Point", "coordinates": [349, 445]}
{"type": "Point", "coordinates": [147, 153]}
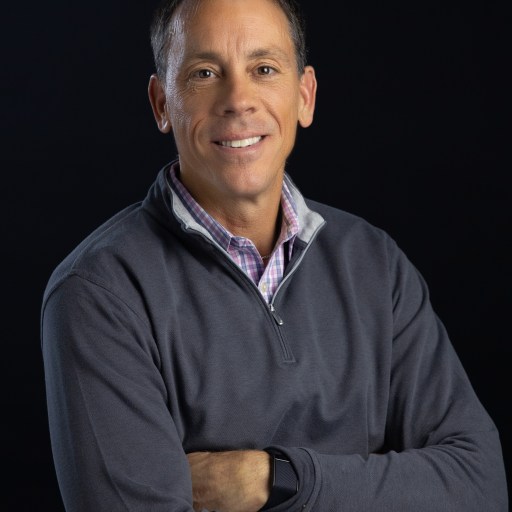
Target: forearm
{"type": "Point", "coordinates": [232, 481]}
{"type": "Point", "coordinates": [464, 474]}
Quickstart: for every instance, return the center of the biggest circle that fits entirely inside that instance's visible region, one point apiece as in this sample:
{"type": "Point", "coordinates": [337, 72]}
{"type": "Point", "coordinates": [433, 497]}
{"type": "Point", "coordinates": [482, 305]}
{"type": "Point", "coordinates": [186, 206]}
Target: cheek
{"type": "Point", "coordinates": [176, 103]}
{"type": "Point", "coordinates": [189, 121]}
{"type": "Point", "coordinates": [290, 121]}
{"type": "Point", "coordinates": [180, 111]}
{"type": "Point", "coordinates": [285, 107]}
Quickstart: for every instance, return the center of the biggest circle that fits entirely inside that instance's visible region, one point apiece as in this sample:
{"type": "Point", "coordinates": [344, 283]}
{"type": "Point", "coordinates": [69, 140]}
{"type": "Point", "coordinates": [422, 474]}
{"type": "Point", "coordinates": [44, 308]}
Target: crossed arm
{"type": "Point", "coordinates": [116, 447]}
{"type": "Point", "coordinates": [234, 481]}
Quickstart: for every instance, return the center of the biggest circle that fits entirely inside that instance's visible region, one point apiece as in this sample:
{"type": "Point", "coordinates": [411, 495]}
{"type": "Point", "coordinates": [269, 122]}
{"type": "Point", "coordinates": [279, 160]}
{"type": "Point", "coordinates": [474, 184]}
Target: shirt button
{"type": "Point", "coordinates": [263, 287]}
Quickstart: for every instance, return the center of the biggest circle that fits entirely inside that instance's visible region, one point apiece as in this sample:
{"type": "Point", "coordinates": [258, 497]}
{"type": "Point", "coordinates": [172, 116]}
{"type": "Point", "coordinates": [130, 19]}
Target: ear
{"type": "Point", "coordinates": [307, 96]}
{"type": "Point", "coordinates": [157, 99]}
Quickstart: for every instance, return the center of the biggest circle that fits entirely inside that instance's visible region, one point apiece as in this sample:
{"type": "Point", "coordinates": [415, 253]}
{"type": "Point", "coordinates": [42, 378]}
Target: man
{"type": "Point", "coordinates": [228, 345]}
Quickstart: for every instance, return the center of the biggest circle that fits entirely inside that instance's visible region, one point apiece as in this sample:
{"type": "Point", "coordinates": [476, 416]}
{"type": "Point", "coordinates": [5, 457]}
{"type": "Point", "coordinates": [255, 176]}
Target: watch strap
{"type": "Point", "coordinates": [283, 478]}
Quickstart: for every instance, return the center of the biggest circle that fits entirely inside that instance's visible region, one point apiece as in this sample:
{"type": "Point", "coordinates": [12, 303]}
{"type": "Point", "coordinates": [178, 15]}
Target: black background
{"type": "Point", "coordinates": [410, 132]}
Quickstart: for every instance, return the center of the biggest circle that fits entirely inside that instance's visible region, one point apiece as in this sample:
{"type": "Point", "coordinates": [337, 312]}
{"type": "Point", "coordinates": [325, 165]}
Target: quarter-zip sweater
{"type": "Point", "coordinates": [156, 344]}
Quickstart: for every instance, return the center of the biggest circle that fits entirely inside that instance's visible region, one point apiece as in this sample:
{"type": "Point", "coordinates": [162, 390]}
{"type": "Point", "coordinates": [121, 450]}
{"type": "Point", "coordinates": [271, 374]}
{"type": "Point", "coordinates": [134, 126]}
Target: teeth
{"type": "Point", "coordinates": [240, 143]}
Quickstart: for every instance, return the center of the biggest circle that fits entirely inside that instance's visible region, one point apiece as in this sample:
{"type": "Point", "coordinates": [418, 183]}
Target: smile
{"type": "Point", "coordinates": [240, 143]}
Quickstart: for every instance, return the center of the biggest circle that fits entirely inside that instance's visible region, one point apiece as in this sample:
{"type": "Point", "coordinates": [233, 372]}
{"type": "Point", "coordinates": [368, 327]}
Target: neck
{"type": "Point", "coordinates": [253, 216]}
{"type": "Point", "coordinates": [260, 225]}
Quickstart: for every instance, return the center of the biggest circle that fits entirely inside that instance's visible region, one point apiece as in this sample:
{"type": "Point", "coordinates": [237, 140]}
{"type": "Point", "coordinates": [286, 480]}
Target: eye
{"type": "Point", "coordinates": [266, 70]}
{"type": "Point", "coordinates": [203, 73]}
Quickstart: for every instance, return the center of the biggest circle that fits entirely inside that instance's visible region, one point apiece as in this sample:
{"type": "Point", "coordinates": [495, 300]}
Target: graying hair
{"type": "Point", "coordinates": [161, 31]}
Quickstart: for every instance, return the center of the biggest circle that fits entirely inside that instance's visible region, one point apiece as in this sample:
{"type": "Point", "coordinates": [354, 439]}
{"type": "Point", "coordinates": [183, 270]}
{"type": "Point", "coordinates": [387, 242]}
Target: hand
{"type": "Point", "coordinates": [232, 481]}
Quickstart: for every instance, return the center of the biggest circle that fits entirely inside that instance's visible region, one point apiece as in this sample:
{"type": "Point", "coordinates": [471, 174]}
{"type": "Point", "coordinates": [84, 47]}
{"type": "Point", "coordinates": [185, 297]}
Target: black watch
{"type": "Point", "coordinates": [284, 480]}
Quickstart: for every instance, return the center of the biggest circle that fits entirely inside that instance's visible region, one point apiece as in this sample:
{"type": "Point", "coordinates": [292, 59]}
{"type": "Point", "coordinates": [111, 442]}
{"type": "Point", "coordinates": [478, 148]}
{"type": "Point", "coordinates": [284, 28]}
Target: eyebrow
{"type": "Point", "coordinates": [272, 51]}
{"type": "Point", "coordinates": [269, 52]}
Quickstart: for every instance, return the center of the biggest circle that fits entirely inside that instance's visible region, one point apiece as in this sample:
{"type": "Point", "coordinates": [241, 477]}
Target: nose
{"type": "Point", "coordinates": [237, 95]}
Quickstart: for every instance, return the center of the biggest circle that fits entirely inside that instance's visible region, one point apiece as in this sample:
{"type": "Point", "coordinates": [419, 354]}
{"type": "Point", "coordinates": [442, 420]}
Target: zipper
{"type": "Point", "coordinates": [287, 354]}
{"type": "Point", "coordinates": [295, 267]}
{"type": "Point", "coordinates": [277, 318]}
{"type": "Point", "coordinates": [269, 307]}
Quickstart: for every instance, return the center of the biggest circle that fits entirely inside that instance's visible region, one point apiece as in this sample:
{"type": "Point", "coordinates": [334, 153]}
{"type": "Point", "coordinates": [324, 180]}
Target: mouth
{"type": "Point", "coordinates": [242, 143]}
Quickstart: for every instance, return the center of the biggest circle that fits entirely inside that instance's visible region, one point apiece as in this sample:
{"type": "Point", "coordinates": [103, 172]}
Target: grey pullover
{"type": "Point", "coordinates": [156, 344]}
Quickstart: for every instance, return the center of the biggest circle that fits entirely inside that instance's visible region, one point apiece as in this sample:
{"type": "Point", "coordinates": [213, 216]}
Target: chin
{"type": "Point", "coordinates": [250, 181]}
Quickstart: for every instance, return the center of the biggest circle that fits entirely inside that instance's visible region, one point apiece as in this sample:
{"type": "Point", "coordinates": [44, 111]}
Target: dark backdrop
{"type": "Point", "coordinates": [409, 133]}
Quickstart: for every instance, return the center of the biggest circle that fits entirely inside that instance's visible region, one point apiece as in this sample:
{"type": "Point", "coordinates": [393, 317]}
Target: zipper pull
{"type": "Point", "coordinates": [277, 318]}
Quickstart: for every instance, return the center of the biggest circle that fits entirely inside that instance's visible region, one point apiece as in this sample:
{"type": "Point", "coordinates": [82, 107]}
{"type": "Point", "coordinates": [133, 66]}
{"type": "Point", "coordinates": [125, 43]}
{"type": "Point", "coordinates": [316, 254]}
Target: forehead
{"type": "Point", "coordinates": [232, 25]}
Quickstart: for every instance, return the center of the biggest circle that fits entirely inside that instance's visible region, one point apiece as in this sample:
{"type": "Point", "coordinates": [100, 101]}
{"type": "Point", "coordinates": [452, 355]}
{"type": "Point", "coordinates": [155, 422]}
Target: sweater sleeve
{"type": "Point", "coordinates": [442, 450]}
{"type": "Point", "coordinates": [114, 443]}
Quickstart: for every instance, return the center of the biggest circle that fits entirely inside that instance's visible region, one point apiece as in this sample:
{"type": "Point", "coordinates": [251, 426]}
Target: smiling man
{"type": "Point", "coordinates": [227, 344]}
{"type": "Point", "coordinates": [232, 94]}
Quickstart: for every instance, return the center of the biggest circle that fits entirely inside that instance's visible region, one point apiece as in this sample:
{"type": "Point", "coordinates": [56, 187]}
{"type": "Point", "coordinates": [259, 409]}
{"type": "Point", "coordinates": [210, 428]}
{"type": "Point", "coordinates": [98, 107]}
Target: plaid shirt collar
{"type": "Point", "coordinates": [242, 250]}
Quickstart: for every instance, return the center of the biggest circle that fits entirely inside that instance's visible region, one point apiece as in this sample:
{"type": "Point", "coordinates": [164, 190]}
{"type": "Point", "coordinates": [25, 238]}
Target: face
{"type": "Point", "coordinates": [233, 98]}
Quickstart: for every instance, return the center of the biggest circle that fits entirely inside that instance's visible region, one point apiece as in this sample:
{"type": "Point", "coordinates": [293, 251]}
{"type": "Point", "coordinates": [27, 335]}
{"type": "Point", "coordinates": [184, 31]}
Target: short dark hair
{"type": "Point", "coordinates": [161, 34]}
